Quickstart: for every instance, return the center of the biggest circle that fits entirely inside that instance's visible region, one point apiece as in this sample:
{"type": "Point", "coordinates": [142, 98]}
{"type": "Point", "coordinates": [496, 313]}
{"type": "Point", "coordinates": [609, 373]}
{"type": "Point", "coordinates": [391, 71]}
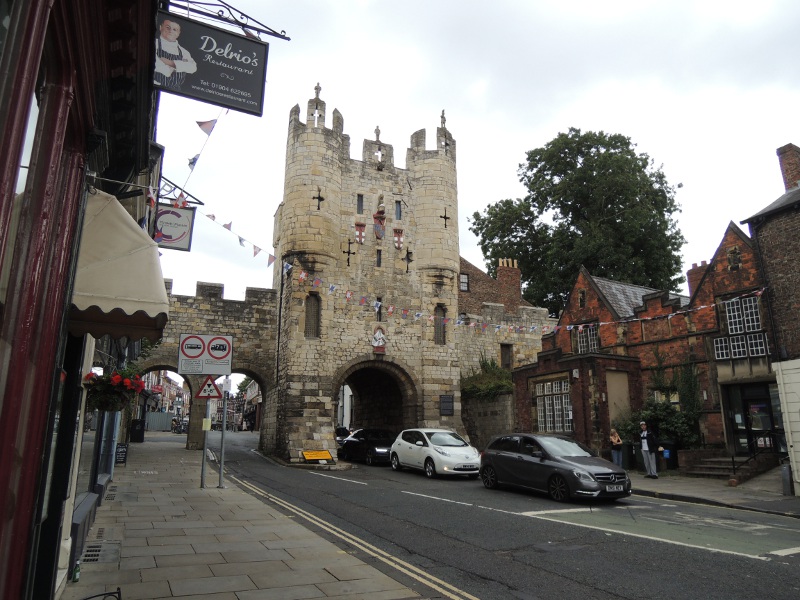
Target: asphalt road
{"type": "Point", "coordinates": [453, 538]}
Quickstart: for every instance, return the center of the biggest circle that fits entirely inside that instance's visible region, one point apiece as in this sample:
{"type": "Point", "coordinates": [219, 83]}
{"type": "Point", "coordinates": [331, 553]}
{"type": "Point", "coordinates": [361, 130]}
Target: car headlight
{"type": "Point", "coordinates": [441, 451]}
{"type": "Point", "coordinates": [583, 476]}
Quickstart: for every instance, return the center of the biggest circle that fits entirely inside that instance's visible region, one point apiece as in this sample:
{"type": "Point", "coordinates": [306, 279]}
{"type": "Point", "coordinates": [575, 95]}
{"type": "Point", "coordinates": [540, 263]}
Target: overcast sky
{"type": "Point", "coordinates": [709, 89]}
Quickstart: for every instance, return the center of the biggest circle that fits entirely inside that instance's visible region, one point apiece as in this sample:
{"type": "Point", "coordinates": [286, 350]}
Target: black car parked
{"type": "Point", "coordinates": [369, 445]}
{"type": "Point", "coordinates": [554, 464]}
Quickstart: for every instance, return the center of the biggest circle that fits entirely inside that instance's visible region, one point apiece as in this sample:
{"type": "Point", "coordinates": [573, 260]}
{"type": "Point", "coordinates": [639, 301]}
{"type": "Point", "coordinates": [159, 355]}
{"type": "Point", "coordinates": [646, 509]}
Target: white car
{"type": "Point", "coordinates": [435, 451]}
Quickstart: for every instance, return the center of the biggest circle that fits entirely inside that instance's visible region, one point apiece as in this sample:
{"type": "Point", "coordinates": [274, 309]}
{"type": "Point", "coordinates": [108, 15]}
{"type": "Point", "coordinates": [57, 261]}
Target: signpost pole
{"type": "Point", "coordinates": [222, 442]}
{"type": "Point", "coordinates": [205, 447]}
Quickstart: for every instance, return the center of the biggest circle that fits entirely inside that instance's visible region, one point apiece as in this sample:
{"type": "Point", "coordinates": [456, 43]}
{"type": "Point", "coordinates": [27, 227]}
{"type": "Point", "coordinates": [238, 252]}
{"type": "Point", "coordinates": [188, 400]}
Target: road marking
{"type": "Point", "coordinates": [649, 537]}
{"type": "Point", "coordinates": [786, 552]}
{"type": "Point", "coordinates": [441, 499]}
{"type": "Point", "coordinates": [339, 478]}
{"type": "Point", "coordinates": [423, 577]}
{"type": "Point", "coordinates": [555, 511]}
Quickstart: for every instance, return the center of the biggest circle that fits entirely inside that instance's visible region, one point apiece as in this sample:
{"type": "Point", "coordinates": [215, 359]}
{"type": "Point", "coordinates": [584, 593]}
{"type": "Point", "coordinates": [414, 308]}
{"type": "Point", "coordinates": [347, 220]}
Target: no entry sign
{"type": "Point", "coordinates": [205, 354]}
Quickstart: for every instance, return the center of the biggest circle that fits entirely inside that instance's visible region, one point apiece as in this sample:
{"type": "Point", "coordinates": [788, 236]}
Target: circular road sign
{"type": "Point", "coordinates": [219, 348]}
{"type": "Point", "coordinates": [193, 346]}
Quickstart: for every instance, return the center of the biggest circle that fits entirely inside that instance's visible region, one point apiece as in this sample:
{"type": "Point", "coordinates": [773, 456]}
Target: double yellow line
{"type": "Point", "coordinates": [410, 570]}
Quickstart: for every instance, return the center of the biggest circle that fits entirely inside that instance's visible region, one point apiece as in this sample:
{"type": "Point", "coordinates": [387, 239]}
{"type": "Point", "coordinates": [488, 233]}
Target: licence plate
{"type": "Point", "coordinates": [469, 466]}
{"type": "Point", "coordinates": [614, 488]}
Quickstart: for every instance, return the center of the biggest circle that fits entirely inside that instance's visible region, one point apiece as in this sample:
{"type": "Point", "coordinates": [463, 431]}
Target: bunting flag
{"type": "Point", "coordinates": [473, 324]}
{"type": "Point", "coordinates": [241, 241]}
{"type": "Point", "coordinates": [363, 301]}
{"type": "Point", "coordinates": [445, 321]}
{"type": "Point", "coordinates": [256, 250]}
{"type": "Point", "coordinates": [193, 162]}
{"type": "Point", "coordinates": [316, 283]}
{"type": "Point", "coordinates": [484, 326]}
{"type": "Point", "coordinates": [377, 306]}
{"type": "Point", "coordinates": [417, 316]}
{"type": "Point", "coordinates": [390, 310]}
{"type": "Point", "coordinates": [207, 126]}
{"type": "Point", "coordinates": [270, 260]}
{"type": "Point", "coordinates": [212, 217]}
{"type": "Point", "coordinates": [348, 295]}
{"type": "Point", "coordinates": [151, 197]}
{"type": "Point", "coordinates": [287, 267]}
{"type": "Point", "coordinates": [331, 288]}
{"type": "Point", "coordinates": [228, 225]}
{"type": "Point", "coordinates": [180, 201]}
{"type": "Point", "coordinates": [497, 328]}
{"type": "Point", "coordinates": [303, 276]}
{"type": "Point", "coordinates": [431, 318]}
{"type": "Point", "coordinates": [459, 322]}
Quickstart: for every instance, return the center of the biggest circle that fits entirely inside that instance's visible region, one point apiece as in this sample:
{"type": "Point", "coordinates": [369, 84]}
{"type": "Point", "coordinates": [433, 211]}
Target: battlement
{"type": "Point", "coordinates": [375, 152]}
{"type": "Point", "coordinates": [214, 292]}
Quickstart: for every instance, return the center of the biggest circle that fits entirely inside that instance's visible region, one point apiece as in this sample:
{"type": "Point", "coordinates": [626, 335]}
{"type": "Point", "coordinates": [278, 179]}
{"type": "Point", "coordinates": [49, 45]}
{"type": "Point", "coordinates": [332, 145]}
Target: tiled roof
{"type": "Point", "coordinates": [626, 297]}
{"type": "Point", "coordinates": [786, 201]}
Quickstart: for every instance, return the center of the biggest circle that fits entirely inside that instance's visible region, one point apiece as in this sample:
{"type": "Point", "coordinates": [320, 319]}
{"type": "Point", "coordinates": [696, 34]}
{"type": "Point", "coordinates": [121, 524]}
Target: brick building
{"type": "Point", "coordinates": [615, 341]}
{"type": "Point", "coordinates": [775, 233]}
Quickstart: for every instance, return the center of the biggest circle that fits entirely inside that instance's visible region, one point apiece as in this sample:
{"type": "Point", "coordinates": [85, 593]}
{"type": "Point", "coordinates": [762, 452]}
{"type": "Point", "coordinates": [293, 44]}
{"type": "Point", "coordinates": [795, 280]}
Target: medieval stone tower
{"type": "Point", "coordinates": [374, 258]}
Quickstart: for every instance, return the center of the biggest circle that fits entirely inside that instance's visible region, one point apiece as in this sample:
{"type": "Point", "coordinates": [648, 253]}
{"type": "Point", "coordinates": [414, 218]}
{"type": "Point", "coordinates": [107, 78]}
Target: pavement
{"type": "Point", "coordinates": [159, 535]}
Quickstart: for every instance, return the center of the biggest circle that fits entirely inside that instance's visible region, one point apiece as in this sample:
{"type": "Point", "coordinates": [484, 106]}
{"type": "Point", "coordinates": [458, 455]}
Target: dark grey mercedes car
{"type": "Point", "coordinates": [554, 464]}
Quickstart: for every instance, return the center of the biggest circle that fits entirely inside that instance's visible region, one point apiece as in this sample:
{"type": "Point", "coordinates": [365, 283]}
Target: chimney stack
{"type": "Point", "coordinates": [694, 275]}
{"type": "Point", "coordinates": [789, 158]}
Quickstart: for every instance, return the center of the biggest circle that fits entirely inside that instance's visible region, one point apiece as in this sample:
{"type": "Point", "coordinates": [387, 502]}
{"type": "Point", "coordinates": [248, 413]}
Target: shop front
{"type": "Point", "coordinates": [754, 418]}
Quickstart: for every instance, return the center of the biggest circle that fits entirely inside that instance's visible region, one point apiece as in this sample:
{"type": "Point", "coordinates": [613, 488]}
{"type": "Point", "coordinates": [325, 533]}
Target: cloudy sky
{"type": "Point", "coordinates": [709, 89]}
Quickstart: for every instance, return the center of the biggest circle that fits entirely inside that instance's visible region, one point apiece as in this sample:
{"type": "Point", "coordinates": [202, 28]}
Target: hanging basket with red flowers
{"type": "Point", "coordinates": [113, 391]}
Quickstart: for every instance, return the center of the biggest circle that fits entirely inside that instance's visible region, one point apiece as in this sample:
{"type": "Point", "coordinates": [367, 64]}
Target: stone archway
{"type": "Point", "coordinates": [248, 322]}
{"type": "Point", "coordinates": [385, 393]}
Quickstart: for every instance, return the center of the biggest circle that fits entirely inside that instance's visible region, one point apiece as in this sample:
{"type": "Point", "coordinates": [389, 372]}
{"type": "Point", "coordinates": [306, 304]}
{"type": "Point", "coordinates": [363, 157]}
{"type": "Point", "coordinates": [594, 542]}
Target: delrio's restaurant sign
{"type": "Point", "coordinates": [210, 64]}
{"type": "Point", "coordinates": [205, 354]}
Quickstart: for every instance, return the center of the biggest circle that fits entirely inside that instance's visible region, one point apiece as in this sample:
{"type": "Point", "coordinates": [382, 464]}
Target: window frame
{"type": "Point", "coordinates": [313, 324]}
{"type": "Point", "coordinates": [463, 282]}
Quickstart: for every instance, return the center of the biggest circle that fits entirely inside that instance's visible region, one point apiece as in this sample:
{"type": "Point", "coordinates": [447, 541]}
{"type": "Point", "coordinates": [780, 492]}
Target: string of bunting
{"type": "Point", "coordinates": [182, 201]}
{"type": "Point", "coordinates": [354, 298]}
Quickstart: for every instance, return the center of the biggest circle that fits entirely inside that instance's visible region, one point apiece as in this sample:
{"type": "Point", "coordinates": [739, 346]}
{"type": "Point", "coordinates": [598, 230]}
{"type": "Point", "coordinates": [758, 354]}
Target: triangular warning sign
{"type": "Point", "coordinates": [209, 389]}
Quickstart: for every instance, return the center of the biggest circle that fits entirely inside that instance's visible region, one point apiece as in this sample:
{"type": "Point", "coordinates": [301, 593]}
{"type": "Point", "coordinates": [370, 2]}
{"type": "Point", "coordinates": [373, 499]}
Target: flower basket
{"type": "Point", "coordinates": [109, 401]}
{"type": "Point", "coordinates": [112, 392]}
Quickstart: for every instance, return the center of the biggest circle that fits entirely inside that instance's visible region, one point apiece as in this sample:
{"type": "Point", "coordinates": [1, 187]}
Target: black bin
{"type": "Point", "coordinates": [628, 459]}
{"type": "Point", "coordinates": [137, 430]}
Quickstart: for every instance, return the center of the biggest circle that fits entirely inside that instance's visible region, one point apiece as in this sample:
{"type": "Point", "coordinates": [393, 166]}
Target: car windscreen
{"type": "Point", "coordinates": [445, 438]}
{"type": "Point", "coordinates": [563, 447]}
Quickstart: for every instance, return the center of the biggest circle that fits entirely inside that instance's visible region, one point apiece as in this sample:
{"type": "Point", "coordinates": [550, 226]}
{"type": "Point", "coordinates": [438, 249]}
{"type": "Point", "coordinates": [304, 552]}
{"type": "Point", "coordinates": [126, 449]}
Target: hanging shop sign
{"type": "Point", "coordinates": [174, 227]}
{"type": "Point", "coordinates": [210, 64]}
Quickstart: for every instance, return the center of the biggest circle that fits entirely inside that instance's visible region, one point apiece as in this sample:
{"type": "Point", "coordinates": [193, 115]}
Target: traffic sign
{"type": "Point", "coordinates": [208, 390]}
{"type": "Point", "coordinates": [205, 354]}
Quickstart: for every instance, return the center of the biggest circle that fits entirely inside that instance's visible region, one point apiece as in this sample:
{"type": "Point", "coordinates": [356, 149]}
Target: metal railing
{"type": "Point", "coordinates": [769, 441]}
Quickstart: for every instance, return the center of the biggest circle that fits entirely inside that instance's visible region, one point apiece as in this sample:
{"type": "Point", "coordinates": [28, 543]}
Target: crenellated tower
{"type": "Point", "coordinates": [389, 236]}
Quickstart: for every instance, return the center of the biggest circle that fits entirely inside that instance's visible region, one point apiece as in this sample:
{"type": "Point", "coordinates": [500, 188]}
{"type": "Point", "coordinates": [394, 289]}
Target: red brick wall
{"type": "Point", "coordinates": [506, 289]}
{"type": "Point", "coordinates": [681, 335]}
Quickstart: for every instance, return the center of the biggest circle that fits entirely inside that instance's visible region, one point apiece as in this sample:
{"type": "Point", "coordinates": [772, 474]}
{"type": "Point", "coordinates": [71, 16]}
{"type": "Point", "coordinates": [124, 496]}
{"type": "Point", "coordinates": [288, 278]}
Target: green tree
{"type": "Point", "coordinates": [242, 387]}
{"type": "Point", "coordinates": [592, 201]}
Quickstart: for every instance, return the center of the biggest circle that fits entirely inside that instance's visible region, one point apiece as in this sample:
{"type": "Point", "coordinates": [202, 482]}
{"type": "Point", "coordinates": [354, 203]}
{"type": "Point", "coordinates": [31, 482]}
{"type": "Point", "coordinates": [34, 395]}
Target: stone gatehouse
{"type": "Point", "coordinates": [369, 291]}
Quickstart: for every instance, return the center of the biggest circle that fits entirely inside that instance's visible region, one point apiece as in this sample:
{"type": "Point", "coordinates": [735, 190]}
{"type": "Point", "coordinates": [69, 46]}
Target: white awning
{"type": "Point", "coordinates": [119, 288]}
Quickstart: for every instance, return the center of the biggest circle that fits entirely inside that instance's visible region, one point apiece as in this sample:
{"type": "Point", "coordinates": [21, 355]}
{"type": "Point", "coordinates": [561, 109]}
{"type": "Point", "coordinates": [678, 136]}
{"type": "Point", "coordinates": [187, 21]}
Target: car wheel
{"type": "Point", "coordinates": [489, 477]}
{"type": "Point", "coordinates": [430, 469]}
{"type": "Point", "coordinates": [370, 459]}
{"type": "Point", "coordinates": [558, 489]}
{"type": "Point", "coordinates": [396, 463]}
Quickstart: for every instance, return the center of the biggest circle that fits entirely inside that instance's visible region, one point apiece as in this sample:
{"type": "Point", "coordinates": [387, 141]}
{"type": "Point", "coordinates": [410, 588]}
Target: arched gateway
{"type": "Point", "coordinates": [369, 292]}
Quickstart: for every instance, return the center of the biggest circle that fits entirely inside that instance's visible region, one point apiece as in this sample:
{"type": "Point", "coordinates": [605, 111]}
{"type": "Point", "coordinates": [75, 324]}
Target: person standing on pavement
{"type": "Point", "coordinates": [616, 447]}
{"type": "Point", "coordinates": [649, 448]}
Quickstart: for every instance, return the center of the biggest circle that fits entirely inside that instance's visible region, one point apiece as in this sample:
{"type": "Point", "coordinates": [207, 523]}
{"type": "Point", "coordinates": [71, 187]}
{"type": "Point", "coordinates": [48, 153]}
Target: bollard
{"type": "Point", "coordinates": [788, 484]}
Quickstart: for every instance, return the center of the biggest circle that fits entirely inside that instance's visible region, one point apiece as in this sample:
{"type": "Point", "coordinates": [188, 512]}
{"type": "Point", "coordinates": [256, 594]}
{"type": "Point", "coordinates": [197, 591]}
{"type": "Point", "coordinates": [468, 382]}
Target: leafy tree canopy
{"type": "Point", "coordinates": [592, 201]}
{"type": "Point", "coordinates": [242, 387]}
